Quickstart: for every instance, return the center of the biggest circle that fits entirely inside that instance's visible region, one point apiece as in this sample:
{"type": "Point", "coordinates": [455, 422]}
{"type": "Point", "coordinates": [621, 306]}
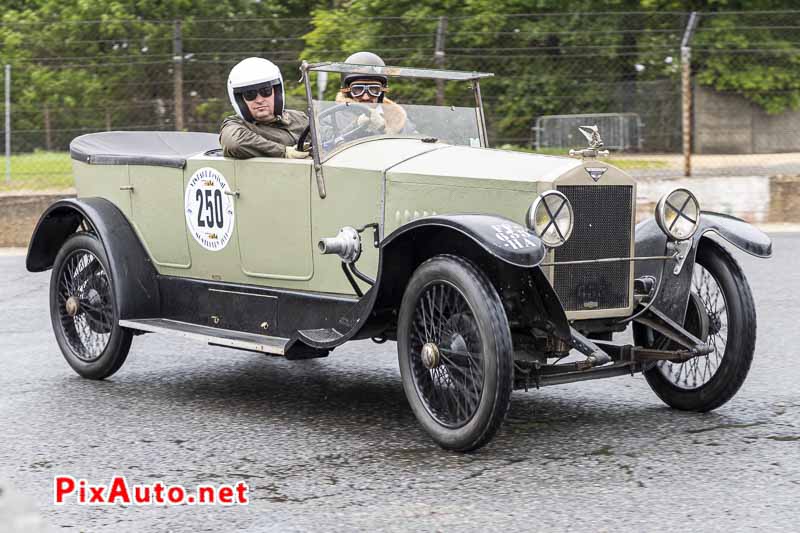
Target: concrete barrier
{"type": "Point", "coordinates": [19, 214]}
{"type": "Point", "coordinates": [727, 123]}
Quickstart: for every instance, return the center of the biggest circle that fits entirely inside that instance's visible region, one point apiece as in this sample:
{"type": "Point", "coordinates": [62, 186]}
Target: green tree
{"type": "Point", "coordinates": [548, 57]}
{"type": "Point", "coordinates": [88, 65]}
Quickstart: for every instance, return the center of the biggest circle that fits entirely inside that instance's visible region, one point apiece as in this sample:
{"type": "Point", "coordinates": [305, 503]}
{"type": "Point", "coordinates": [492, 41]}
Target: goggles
{"type": "Point", "coordinates": [251, 94]}
{"type": "Point", "coordinates": [357, 90]}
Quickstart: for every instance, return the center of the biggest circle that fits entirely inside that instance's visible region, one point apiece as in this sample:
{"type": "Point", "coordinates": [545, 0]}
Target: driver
{"type": "Point", "coordinates": [387, 116]}
{"type": "Point", "coordinates": [261, 127]}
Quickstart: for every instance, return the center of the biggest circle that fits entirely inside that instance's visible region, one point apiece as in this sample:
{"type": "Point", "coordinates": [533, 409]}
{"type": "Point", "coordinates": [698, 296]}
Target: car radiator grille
{"type": "Point", "coordinates": [602, 229]}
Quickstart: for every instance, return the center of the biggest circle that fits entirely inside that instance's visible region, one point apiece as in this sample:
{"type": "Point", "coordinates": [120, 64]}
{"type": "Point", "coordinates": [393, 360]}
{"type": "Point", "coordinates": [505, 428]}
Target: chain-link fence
{"type": "Point", "coordinates": [622, 70]}
{"type": "Point", "coordinates": [746, 97]}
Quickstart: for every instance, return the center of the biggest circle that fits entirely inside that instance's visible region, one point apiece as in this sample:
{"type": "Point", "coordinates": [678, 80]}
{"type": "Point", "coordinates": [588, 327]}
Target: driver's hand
{"type": "Point", "coordinates": [294, 153]}
{"type": "Point", "coordinates": [374, 121]}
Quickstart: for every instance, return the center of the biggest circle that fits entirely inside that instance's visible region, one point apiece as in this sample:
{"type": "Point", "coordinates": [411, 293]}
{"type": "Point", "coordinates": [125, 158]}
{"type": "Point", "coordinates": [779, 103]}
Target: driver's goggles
{"type": "Point", "coordinates": [357, 90]}
{"type": "Point", "coordinates": [251, 94]}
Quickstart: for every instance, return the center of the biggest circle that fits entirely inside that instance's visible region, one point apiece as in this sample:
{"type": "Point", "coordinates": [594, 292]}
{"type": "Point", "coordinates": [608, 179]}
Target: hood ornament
{"type": "Point", "coordinates": [592, 134]}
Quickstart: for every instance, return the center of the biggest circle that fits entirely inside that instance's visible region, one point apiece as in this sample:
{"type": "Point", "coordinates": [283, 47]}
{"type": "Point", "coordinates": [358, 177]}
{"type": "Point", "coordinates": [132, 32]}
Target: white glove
{"type": "Point", "coordinates": [374, 121]}
{"type": "Point", "coordinates": [294, 153]}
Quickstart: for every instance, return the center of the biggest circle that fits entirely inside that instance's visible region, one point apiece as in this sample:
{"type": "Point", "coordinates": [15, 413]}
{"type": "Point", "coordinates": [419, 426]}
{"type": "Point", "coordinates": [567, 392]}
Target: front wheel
{"type": "Point", "coordinates": [455, 353]}
{"type": "Point", "coordinates": [721, 313]}
{"type": "Point", "coordinates": [83, 309]}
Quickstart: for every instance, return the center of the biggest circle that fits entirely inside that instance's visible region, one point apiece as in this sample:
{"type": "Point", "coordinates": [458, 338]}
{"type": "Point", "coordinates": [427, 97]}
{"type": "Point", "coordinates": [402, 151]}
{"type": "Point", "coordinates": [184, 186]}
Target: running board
{"type": "Point", "coordinates": [213, 336]}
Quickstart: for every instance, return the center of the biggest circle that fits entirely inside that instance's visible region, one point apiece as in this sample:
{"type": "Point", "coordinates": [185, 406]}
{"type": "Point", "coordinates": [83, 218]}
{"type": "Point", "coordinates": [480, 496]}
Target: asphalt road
{"type": "Point", "coordinates": [331, 444]}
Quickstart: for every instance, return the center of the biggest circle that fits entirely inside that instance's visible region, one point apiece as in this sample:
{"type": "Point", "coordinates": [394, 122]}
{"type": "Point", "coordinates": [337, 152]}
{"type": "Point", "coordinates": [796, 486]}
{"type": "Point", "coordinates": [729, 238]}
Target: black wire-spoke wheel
{"type": "Point", "coordinates": [84, 305]}
{"type": "Point", "coordinates": [707, 318]}
{"type": "Point", "coordinates": [83, 310]}
{"type": "Point", "coordinates": [446, 355]}
{"type": "Point", "coordinates": [454, 349]}
{"type": "Point", "coordinates": [722, 314]}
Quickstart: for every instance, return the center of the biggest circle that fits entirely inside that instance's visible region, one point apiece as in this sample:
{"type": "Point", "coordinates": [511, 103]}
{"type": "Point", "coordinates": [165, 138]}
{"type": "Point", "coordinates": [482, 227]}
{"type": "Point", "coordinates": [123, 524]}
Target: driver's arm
{"type": "Point", "coordinates": [239, 142]}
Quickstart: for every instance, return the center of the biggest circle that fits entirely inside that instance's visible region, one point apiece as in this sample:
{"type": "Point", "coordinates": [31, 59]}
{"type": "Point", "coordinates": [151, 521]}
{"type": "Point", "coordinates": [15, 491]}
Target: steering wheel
{"type": "Point", "coordinates": [301, 141]}
{"type": "Point", "coordinates": [350, 108]}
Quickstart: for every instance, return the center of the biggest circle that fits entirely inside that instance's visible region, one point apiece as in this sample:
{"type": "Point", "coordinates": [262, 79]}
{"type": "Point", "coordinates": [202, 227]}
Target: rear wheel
{"type": "Point", "coordinates": [721, 313]}
{"type": "Point", "coordinates": [83, 309]}
{"type": "Point", "coordinates": [455, 353]}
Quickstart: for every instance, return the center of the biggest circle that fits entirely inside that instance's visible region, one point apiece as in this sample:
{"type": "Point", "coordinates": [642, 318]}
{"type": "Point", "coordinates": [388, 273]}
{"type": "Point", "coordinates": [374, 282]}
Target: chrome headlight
{"type": "Point", "coordinates": [550, 217]}
{"type": "Point", "coordinates": [678, 214]}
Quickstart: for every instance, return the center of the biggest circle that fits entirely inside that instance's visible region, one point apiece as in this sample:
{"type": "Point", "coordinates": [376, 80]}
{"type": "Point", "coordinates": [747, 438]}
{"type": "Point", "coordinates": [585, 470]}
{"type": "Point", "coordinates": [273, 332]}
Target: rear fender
{"type": "Point", "coordinates": [132, 272]}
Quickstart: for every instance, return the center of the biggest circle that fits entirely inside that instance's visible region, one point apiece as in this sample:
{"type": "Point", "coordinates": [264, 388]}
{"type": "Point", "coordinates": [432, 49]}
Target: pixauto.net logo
{"type": "Point", "coordinates": [119, 491]}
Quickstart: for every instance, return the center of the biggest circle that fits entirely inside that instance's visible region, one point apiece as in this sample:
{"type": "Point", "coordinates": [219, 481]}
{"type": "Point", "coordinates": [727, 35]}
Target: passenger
{"type": "Point", "coordinates": [387, 117]}
{"type": "Point", "coordinates": [261, 127]}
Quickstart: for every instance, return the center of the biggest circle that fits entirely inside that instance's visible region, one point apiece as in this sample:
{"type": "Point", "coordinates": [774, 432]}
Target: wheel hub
{"type": "Point", "coordinates": [72, 306]}
{"type": "Point", "coordinates": [430, 355]}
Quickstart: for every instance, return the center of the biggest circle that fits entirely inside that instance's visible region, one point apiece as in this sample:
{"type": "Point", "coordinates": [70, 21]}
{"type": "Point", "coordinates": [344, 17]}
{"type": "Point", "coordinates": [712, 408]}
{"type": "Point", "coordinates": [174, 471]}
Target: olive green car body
{"type": "Point", "coordinates": [280, 217]}
{"type": "Point", "coordinates": [431, 239]}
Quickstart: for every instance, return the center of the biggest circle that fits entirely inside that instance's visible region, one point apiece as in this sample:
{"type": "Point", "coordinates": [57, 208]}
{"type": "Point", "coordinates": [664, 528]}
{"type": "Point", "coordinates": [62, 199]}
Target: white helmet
{"type": "Point", "coordinates": [254, 73]}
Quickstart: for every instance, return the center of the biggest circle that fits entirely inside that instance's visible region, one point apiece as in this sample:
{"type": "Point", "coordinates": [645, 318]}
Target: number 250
{"type": "Point", "coordinates": [214, 215]}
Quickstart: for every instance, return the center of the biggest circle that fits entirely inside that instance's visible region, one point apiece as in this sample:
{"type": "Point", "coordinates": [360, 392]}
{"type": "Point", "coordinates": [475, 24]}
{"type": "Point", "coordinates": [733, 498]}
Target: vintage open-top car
{"type": "Point", "coordinates": [488, 267]}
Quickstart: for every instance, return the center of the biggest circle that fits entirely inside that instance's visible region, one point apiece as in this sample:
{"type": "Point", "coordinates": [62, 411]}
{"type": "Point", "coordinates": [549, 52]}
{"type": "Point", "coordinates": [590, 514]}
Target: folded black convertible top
{"type": "Point", "coordinates": [158, 148]}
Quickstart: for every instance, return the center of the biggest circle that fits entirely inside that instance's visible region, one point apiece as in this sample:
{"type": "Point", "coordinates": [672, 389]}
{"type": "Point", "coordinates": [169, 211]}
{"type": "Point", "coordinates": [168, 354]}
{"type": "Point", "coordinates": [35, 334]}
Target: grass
{"type": "Point", "coordinates": [624, 164]}
{"type": "Point", "coordinates": [53, 170]}
{"type": "Point", "coordinates": [638, 164]}
{"type": "Point", "coordinates": [37, 171]}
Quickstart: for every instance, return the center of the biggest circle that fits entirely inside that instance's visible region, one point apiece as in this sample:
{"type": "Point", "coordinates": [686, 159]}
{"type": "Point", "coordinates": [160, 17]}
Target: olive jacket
{"type": "Point", "coordinates": [243, 140]}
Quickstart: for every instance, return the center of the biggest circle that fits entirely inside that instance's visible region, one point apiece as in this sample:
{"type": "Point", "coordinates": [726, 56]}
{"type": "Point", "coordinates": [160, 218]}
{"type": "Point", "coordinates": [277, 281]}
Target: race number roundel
{"type": "Point", "coordinates": [209, 211]}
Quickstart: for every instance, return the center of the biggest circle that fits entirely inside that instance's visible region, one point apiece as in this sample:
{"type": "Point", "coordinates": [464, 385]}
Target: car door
{"type": "Point", "coordinates": [273, 218]}
{"type": "Point", "coordinates": [156, 194]}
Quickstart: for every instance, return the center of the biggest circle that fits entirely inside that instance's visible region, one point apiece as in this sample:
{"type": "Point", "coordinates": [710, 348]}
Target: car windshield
{"type": "Point", "coordinates": [444, 105]}
{"type": "Point", "coordinates": [342, 122]}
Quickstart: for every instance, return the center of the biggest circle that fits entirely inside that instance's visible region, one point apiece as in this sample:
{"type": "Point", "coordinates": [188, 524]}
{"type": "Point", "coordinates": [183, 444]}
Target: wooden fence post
{"type": "Point", "coordinates": [686, 92]}
{"type": "Point", "coordinates": [177, 68]}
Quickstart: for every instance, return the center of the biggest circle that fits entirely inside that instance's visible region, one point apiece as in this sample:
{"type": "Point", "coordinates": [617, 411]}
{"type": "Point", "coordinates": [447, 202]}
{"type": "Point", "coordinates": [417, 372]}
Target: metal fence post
{"type": "Point", "coordinates": [686, 92]}
{"type": "Point", "coordinates": [8, 123]}
{"type": "Point", "coordinates": [322, 83]}
{"type": "Point", "coordinates": [48, 135]}
{"type": "Point", "coordinates": [438, 55]}
{"type": "Point", "coordinates": [177, 59]}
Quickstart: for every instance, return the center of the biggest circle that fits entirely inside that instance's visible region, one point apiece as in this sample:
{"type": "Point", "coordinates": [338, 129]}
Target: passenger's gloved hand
{"type": "Point", "coordinates": [374, 121]}
{"type": "Point", "coordinates": [294, 153]}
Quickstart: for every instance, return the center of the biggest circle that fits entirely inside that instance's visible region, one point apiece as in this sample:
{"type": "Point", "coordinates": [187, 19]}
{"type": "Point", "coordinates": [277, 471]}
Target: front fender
{"type": "Point", "coordinates": [134, 277]}
{"type": "Point", "coordinates": [736, 231]}
{"type": "Point", "coordinates": [505, 251]}
{"type": "Point", "coordinates": [502, 238]}
{"type": "Point", "coordinates": [673, 294]}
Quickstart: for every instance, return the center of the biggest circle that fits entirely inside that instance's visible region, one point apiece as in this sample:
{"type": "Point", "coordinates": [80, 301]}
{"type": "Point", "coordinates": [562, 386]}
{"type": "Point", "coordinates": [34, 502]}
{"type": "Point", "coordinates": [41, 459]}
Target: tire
{"type": "Point", "coordinates": [83, 309]}
{"type": "Point", "coordinates": [460, 387]}
{"type": "Point", "coordinates": [707, 382]}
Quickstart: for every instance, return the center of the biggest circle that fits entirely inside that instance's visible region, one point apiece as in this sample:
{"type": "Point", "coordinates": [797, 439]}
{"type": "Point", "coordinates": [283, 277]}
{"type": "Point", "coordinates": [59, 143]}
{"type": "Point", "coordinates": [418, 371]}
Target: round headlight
{"type": "Point", "coordinates": [678, 214]}
{"type": "Point", "coordinates": [550, 217]}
